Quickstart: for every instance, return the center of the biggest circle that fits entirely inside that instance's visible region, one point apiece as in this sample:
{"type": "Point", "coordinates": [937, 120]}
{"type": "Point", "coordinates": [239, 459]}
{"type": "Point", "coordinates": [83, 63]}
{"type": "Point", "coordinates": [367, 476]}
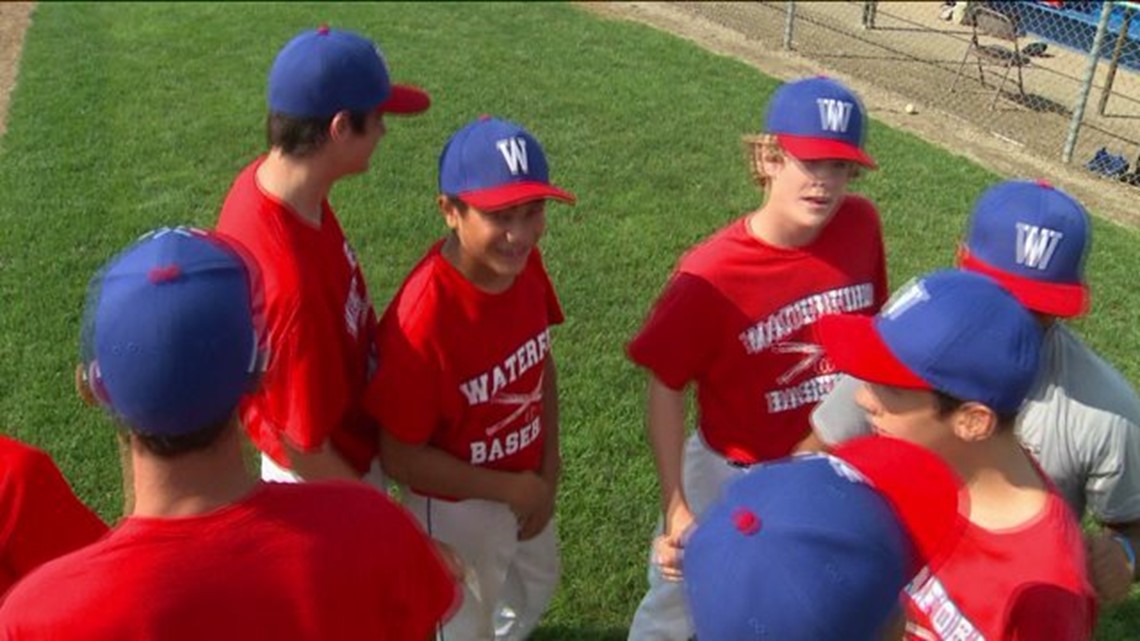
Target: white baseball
{"type": "Point", "coordinates": [910, 108]}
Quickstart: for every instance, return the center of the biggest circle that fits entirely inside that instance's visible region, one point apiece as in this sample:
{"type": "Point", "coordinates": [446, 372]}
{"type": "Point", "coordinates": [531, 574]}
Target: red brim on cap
{"type": "Point", "coordinates": [514, 194]}
{"type": "Point", "coordinates": [406, 99]}
{"type": "Point", "coordinates": [805, 148]}
{"type": "Point", "coordinates": [923, 491]}
{"type": "Point", "coordinates": [853, 346]}
{"type": "Point", "coordinates": [1065, 300]}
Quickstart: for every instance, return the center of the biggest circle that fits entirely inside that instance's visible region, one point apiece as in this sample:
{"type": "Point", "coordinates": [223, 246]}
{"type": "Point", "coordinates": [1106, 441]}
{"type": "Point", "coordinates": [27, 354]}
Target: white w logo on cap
{"type": "Point", "coordinates": [1035, 245]}
{"type": "Point", "coordinates": [514, 153]}
{"type": "Point", "coordinates": [834, 115]}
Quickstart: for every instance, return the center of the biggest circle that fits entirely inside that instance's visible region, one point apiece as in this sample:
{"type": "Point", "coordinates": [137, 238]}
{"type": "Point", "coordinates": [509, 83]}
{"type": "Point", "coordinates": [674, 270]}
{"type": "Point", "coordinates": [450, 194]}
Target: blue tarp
{"type": "Point", "coordinates": [1074, 26]}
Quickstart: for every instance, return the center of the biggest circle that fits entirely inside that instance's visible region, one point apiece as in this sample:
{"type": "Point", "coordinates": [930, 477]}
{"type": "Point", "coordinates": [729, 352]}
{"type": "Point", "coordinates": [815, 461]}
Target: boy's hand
{"type": "Point", "coordinates": [1108, 568]}
{"type": "Point", "coordinates": [669, 547]}
{"type": "Point", "coordinates": [534, 524]}
{"type": "Point", "coordinates": [527, 494]}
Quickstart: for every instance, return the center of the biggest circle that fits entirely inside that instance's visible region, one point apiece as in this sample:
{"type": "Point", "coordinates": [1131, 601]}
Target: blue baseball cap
{"type": "Point", "coordinates": [169, 343]}
{"type": "Point", "coordinates": [819, 119]}
{"type": "Point", "coordinates": [324, 71]}
{"type": "Point", "coordinates": [1033, 239]}
{"type": "Point", "coordinates": [493, 164]}
{"type": "Point", "coordinates": [820, 546]}
{"type": "Point", "coordinates": [954, 331]}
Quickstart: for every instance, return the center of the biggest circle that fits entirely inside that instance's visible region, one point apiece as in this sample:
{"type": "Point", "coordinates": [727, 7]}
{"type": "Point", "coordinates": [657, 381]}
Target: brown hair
{"type": "Point", "coordinates": [300, 137]}
{"type": "Point", "coordinates": [170, 446]}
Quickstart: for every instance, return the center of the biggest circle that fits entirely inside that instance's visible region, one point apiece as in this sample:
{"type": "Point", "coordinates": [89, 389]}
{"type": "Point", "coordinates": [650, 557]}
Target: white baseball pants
{"type": "Point", "coordinates": [663, 614]}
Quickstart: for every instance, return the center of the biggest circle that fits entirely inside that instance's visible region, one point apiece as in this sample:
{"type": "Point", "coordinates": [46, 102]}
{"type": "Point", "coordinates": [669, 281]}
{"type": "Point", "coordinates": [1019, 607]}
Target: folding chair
{"type": "Point", "coordinates": [994, 25]}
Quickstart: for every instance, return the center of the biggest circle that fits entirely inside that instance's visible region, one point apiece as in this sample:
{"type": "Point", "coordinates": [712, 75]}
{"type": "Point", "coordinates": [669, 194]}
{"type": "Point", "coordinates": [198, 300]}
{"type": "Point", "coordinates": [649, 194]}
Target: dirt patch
{"type": "Point", "coordinates": [1000, 154]}
{"type": "Point", "coordinates": [14, 20]}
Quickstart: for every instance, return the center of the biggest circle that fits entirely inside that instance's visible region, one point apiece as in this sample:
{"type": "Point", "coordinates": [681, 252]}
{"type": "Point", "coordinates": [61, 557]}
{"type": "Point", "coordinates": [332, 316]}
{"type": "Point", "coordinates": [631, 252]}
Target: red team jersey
{"type": "Point", "coordinates": [321, 328]}
{"type": "Point", "coordinates": [40, 517]}
{"type": "Point", "coordinates": [289, 562]}
{"type": "Point", "coordinates": [1022, 584]}
{"type": "Point", "coordinates": [737, 316]}
{"type": "Point", "coordinates": [462, 369]}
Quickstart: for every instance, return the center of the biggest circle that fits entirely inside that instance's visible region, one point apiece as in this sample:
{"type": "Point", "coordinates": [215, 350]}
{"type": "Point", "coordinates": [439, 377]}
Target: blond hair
{"type": "Point", "coordinates": [762, 148]}
{"type": "Point", "coordinates": [758, 149]}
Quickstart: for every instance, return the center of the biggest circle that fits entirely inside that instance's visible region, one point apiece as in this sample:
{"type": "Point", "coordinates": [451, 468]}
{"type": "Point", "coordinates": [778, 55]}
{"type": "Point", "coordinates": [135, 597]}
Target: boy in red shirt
{"type": "Point", "coordinates": [328, 94]}
{"type": "Point", "coordinates": [40, 517]}
{"type": "Point", "coordinates": [818, 546]}
{"type": "Point", "coordinates": [736, 319]}
{"type": "Point", "coordinates": [171, 346]}
{"type": "Point", "coordinates": [948, 364]}
{"type": "Point", "coordinates": [466, 391]}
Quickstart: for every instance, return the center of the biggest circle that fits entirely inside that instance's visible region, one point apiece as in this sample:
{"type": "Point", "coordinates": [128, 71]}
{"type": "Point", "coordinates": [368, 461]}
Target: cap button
{"type": "Point", "coordinates": [746, 521]}
{"type": "Point", "coordinates": [323, 30]}
{"type": "Point", "coordinates": [484, 116]}
{"type": "Point", "coordinates": [165, 274]}
{"type": "Point", "coordinates": [1041, 182]}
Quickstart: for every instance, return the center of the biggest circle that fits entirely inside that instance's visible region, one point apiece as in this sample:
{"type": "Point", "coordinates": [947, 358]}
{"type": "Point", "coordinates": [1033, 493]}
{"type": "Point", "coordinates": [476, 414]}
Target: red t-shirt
{"type": "Point", "coordinates": [40, 517]}
{"type": "Point", "coordinates": [462, 369]}
{"type": "Point", "coordinates": [1022, 584]}
{"type": "Point", "coordinates": [320, 324]}
{"type": "Point", "coordinates": [316, 561]}
{"type": "Point", "coordinates": [737, 316]}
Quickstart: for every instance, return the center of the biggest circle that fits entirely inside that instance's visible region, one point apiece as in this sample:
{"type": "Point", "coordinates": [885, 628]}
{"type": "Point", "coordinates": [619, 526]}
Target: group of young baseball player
{"type": "Point", "coordinates": [863, 466]}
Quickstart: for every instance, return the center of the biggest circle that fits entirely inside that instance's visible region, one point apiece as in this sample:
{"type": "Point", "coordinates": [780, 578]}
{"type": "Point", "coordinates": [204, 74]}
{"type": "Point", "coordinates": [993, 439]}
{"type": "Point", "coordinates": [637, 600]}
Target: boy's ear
{"type": "Point", "coordinates": [449, 210]}
{"type": "Point", "coordinates": [974, 422]}
{"type": "Point", "coordinates": [83, 387]}
{"type": "Point", "coordinates": [340, 127]}
{"type": "Point", "coordinates": [767, 165]}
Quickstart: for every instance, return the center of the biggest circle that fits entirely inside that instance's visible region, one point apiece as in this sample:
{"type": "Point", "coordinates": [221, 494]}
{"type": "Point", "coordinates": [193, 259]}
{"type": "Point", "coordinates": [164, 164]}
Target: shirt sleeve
{"type": "Point", "coordinates": [837, 418]}
{"type": "Point", "coordinates": [40, 517]}
{"type": "Point", "coordinates": [404, 395]}
{"type": "Point", "coordinates": [427, 594]}
{"type": "Point", "coordinates": [677, 342]}
{"type": "Point", "coordinates": [1113, 485]}
{"type": "Point", "coordinates": [306, 391]}
{"type": "Point", "coordinates": [1051, 612]}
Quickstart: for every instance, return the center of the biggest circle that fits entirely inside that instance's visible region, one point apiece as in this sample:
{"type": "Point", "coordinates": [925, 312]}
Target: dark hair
{"type": "Point", "coordinates": [302, 137]}
{"type": "Point", "coordinates": [948, 404]}
{"type": "Point", "coordinates": [167, 446]}
{"type": "Point", "coordinates": [457, 202]}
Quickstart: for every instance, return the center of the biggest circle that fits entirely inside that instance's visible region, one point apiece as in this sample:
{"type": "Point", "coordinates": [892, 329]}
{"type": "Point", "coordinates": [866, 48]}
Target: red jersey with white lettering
{"type": "Point", "coordinates": [320, 323]}
{"type": "Point", "coordinates": [462, 369]}
{"type": "Point", "coordinates": [736, 317]}
{"type": "Point", "coordinates": [1022, 584]}
{"type": "Point", "coordinates": [333, 560]}
{"type": "Point", "coordinates": [40, 517]}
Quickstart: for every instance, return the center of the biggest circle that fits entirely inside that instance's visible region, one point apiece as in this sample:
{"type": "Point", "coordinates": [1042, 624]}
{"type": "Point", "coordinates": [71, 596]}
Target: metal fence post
{"type": "Point", "coordinates": [1090, 72]}
{"type": "Point", "coordinates": [1112, 65]}
{"type": "Point", "coordinates": [789, 22]}
{"type": "Point", "coordinates": [870, 7]}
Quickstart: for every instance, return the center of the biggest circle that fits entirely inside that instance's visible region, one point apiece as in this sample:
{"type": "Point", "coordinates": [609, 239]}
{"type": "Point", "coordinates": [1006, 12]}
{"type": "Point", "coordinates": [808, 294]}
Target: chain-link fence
{"type": "Point", "coordinates": [1023, 71]}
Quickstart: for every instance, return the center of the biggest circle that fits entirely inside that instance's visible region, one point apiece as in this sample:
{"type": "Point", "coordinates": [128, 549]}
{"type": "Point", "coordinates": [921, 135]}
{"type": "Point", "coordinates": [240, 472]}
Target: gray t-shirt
{"type": "Point", "coordinates": [1081, 421]}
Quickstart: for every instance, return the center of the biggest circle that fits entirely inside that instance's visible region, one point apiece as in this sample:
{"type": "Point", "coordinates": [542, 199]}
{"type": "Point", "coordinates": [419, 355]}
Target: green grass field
{"type": "Point", "coordinates": [131, 116]}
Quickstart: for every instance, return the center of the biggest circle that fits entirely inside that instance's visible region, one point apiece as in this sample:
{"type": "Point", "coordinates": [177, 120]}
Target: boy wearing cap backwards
{"type": "Point", "coordinates": [466, 392]}
{"type": "Point", "coordinates": [947, 365]}
{"type": "Point", "coordinates": [1082, 418]}
{"type": "Point", "coordinates": [170, 347]}
{"type": "Point", "coordinates": [40, 517]}
{"type": "Point", "coordinates": [819, 546]}
{"type": "Point", "coordinates": [328, 94]}
{"type": "Point", "coordinates": [735, 319]}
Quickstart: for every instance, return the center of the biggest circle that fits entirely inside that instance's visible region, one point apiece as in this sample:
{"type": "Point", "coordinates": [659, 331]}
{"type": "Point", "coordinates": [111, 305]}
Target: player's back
{"type": "Point", "coordinates": [316, 561]}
